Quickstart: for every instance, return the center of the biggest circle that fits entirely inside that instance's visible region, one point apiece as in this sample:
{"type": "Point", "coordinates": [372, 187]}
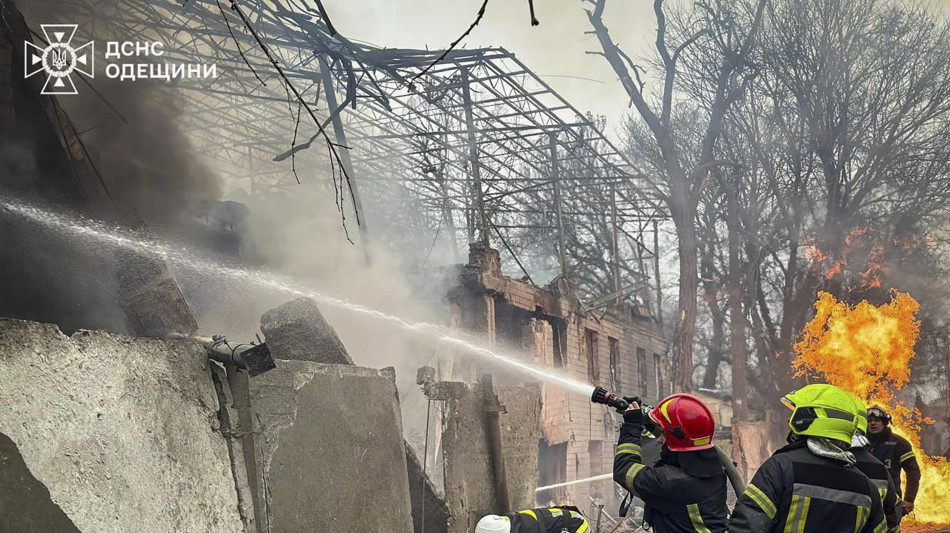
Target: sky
{"type": "Point", "coordinates": [556, 49]}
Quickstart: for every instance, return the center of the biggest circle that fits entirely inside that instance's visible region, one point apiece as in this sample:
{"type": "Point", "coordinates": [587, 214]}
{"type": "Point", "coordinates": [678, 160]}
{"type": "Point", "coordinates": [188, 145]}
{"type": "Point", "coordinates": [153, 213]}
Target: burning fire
{"type": "Point", "coordinates": [862, 248]}
{"type": "Point", "coordinates": [866, 350]}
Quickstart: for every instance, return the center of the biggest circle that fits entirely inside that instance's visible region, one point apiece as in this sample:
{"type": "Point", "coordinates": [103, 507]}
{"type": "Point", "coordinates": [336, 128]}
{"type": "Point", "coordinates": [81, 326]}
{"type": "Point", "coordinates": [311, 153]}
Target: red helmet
{"type": "Point", "coordinates": [686, 421]}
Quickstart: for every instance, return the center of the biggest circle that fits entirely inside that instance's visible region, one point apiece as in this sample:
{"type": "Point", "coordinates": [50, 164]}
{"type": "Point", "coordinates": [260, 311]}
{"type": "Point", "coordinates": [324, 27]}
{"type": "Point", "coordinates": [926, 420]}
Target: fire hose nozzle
{"type": "Point", "coordinates": [620, 403]}
{"type": "Point", "coordinates": [254, 358]}
{"type": "Point", "coordinates": [601, 395]}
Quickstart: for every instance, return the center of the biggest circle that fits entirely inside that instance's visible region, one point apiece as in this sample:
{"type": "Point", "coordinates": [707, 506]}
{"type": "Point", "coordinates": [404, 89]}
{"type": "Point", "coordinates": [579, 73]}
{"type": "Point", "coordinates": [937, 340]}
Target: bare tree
{"type": "Point", "coordinates": [862, 88]}
{"type": "Point", "coordinates": [729, 29]}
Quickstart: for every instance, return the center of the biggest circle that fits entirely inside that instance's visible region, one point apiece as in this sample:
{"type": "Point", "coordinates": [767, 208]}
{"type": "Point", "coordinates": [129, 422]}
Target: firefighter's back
{"type": "Point", "coordinates": [798, 491]}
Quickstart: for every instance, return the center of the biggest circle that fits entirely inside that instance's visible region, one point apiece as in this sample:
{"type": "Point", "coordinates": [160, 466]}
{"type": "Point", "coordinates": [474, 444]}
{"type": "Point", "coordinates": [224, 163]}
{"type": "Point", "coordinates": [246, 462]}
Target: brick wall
{"type": "Point", "coordinates": [567, 417]}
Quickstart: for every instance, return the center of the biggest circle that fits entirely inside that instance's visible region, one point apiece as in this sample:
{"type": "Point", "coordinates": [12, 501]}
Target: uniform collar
{"type": "Point", "coordinates": [830, 449]}
{"type": "Point", "coordinates": [702, 463]}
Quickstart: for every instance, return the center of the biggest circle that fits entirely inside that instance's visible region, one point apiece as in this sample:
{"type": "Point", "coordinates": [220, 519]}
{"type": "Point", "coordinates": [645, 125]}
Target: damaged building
{"type": "Point", "coordinates": [620, 347]}
{"type": "Point", "coordinates": [128, 419]}
{"type": "Point", "coordinates": [310, 174]}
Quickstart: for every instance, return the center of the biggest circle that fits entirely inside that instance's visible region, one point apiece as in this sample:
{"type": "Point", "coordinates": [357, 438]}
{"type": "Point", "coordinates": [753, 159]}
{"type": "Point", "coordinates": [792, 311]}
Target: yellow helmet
{"type": "Point", "coordinates": [822, 410]}
{"type": "Point", "coordinates": [862, 414]}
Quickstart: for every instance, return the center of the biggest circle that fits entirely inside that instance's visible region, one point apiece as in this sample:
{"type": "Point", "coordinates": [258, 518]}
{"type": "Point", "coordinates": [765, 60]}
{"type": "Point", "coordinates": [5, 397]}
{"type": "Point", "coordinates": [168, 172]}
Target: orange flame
{"type": "Point", "coordinates": [866, 350]}
{"type": "Point", "coordinates": [835, 269]}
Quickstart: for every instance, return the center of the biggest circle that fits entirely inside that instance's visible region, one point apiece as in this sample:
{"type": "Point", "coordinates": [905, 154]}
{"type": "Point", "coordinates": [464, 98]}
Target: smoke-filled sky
{"type": "Point", "coordinates": [556, 49]}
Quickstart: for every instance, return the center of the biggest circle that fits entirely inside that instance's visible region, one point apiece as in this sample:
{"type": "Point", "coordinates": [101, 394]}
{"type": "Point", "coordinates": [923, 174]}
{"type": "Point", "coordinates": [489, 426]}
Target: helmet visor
{"type": "Point", "coordinates": [877, 412]}
{"type": "Point", "coordinates": [788, 403]}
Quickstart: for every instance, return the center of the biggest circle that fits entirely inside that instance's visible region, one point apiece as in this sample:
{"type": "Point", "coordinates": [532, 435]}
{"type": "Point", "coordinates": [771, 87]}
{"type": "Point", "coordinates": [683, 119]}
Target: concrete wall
{"type": "Point", "coordinates": [122, 432]}
{"type": "Point", "coordinates": [331, 449]}
{"type": "Point", "coordinates": [520, 431]}
{"type": "Point", "coordinates": [469, 480]}
{"type": "Point", "coordinates": [429, 512]}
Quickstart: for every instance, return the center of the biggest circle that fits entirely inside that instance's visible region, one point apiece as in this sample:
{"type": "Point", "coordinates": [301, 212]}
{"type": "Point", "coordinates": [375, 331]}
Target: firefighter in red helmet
{"type": "Point", "coordinates": [686, 490]}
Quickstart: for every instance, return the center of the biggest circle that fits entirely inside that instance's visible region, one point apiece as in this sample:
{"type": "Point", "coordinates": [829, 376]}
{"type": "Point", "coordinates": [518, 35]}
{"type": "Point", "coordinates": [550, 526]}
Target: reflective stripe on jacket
{"type": "Point", "coordinates": [796, 491]}
{"type": "Point", "coordinates": [549, 520]}
{"type": "Point", "coordinates": [897, 454]}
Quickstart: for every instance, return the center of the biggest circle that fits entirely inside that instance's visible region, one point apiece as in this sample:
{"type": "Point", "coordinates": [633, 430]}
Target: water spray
{"type": "Point", "coordinates": [117, 238]}
{"type": "Point", "coordinates": [258, 356]}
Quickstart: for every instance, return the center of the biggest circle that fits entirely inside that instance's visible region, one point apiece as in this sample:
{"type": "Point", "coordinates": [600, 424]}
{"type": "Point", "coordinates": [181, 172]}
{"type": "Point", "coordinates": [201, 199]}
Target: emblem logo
{"type": "Point", "coordinates": [59, 59]}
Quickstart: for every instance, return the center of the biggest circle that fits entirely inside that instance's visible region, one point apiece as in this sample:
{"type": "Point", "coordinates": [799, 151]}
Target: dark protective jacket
{"type": "Point", "coordinates": [881, 479]}
{"type": "Point", "coordinates": [684, 492]}
{"type": "Point", "coordinates": [549, 520]}
{"type": "Point", "coordinates": [798, 491]}
{"type": "Point", "coordinates": [896, 454]}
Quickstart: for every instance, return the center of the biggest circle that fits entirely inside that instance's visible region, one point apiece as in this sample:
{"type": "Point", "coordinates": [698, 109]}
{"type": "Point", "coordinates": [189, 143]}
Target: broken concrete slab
{"type": "Point", "coordinates": [120, 431]}
{"type": "Point", "coordinates": [429, 512]}
{"type": "Point", "coordinates": [297, 331]}
{"type": "Point", "coordinates": [150, 297]}
{"type": "Point", "coordinates": [25, 504]}
{"type": "Point", "coordinates": [469, 482]}
{"type": "Point", "coordinates": [520, 433]}
{"type": "Point", "coordinates": [331, 449]}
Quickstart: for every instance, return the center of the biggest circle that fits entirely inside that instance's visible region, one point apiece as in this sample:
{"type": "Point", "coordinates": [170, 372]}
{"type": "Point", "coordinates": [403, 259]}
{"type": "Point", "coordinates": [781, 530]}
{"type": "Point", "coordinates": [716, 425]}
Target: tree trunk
{"type": "Point", "coordinates": [684, 216]}
{"type": "Point", "coordinates": [740, 384]}
{"type": "Point", "coordinates": [711, 288]}
{"type": "Point", "coordinates": [715, 356]}
{"type": "Point", "coordinates": [790, 312]}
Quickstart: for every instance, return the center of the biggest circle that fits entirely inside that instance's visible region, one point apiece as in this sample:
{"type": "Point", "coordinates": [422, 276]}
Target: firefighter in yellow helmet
{"type": "Point", "coordinates": [811, 485]}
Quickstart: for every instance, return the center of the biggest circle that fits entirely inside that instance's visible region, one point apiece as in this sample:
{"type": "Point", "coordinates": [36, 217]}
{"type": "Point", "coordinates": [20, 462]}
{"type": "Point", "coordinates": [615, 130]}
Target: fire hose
{"type": "Point", "coordinates": [602, 396]}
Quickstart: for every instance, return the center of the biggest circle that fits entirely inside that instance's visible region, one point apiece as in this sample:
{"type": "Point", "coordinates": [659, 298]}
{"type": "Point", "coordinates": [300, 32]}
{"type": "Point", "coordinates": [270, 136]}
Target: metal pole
{"type": "Point", "coordinates": [614, 247]}
{"type": "Point", "coordinates": [250, 166]}
{"type": "Point", "coordinates": [656, 271]}
{"type": "Point", "coordinates": [556, 178]}
{"type": "Point", "coordinates": [473, 160]}
{"type": "Point", "coordinates": [241, 399]}
{"type": "Point", "coordinates": [640, 249]}
{"type": "Point", "coordinates": [447, 214]}
{"type": "Point", "coordinates": [340, 135]}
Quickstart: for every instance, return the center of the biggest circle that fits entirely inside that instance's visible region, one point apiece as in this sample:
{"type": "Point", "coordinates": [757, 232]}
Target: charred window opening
{"type": "Point", "coordinates": [560, 348]}
{"type": "Point", "coordinates": [595, 450]}
{"type": "Point", "coordinates": [590, 347]}
{"type": "Point", "coordinates": [643, 369]}
{"type": "Point", "coordinates": [510, 322]}
{"type": "Point", "coordinates": [615, 363]}
{"type": "Point", "coordinates": [552, 469]}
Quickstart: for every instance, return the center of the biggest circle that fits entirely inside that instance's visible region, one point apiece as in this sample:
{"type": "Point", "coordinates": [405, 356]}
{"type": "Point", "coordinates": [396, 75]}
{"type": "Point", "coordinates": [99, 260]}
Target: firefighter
{"type": "Point", "coordinates": [896, 453]}
{"type": "Point", "coordinates": [686, 490]}
{"type": "Point", "coordinates": [562, 519]}
{"type": "Point", "coordinates": [875, 470]}
{"type": "Point", "coordinates": [811, 485]}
